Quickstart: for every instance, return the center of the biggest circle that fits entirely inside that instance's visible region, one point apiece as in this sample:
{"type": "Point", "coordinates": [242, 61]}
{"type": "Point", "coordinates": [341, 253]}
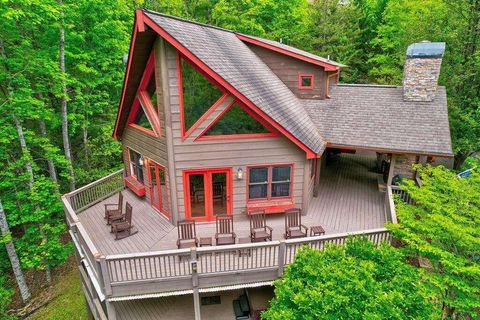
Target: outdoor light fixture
{"type": "Point", "coordinates": [239, 174]}
{"type": "Point", "coordinates": [140, 161]}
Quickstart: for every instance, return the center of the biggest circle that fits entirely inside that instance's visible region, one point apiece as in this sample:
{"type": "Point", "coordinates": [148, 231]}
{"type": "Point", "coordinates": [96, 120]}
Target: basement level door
{"type": "Point", "coordinates": [208, 193]}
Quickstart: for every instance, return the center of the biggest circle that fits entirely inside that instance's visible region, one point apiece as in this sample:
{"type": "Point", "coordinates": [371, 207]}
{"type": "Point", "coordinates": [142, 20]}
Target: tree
{"type": "Point", "coordinates": [444, 227]}
{"type": "Point", "coordinates": [354, 281]}
{"type": "Point", "coordinates": [12, 255]}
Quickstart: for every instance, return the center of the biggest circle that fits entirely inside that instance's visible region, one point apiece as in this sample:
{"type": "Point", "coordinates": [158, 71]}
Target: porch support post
{"type": "Point", "coordinates": [111, 313]}
{"type": "Point", "coordinates": [318, 169]}
{"type": "Point", "coordinates": [196, 294]}
{"type": "Point", "coordinates": [391, 170]}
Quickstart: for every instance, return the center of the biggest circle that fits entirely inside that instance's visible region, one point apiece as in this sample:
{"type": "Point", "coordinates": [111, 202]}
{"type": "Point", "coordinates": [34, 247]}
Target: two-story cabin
{"type": "Point", "coordinates": [214, 122]}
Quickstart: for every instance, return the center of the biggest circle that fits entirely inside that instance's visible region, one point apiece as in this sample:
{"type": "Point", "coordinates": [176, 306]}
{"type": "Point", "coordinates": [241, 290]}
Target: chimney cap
{"type": "Point", "coordinates": [426, 49]}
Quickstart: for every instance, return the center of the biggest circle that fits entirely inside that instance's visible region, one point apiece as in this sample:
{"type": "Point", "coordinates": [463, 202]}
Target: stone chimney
{"type": "Point", "coordinates": [421, 71]}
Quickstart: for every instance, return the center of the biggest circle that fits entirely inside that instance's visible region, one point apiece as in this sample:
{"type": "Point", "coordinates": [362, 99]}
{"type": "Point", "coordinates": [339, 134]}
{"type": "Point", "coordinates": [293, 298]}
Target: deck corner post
{"type": "Point", "coordinates": [196, 293]}
{"type": "Point", "coordinates": [281, 257]}
{"type": "Point", "coordinates": [111, 313]}
{"type": "Point", "coordinates": [105, 276]}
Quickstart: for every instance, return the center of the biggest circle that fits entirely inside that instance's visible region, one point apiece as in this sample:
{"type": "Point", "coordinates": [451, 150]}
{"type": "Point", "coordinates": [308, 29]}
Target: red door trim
{"type": "Point", "coordinates": [207, 185]}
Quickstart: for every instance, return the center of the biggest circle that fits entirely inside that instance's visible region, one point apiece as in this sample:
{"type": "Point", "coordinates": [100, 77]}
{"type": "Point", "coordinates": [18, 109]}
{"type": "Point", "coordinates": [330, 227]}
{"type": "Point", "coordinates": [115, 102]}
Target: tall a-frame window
{"type": "Point", "coordinates": [197, 95]}
{"type": "Point", "coordinates": [144, 113]}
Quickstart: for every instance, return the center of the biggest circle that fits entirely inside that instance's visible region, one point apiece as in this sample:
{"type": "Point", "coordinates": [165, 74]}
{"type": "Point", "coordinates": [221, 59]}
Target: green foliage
{"type": "Point", "coordinates": [355, 281]}
{"type": "Point", "coordinates": [5, 299]}
{"type": "Point", "coordinates": [444, 227]}
{"type": "Point", "coordinates": [236, 121]}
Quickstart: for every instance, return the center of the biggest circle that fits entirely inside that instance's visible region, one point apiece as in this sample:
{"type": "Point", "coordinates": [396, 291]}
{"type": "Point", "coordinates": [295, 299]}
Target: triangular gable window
{"type": "Point", "coordinates": [237, 122]}
{"type": "Point", "coordinates": [144, 114]}
{"type": "Point", "coordinates": [142, 120]}
{"type": "Point", "coordinates": [198, 94]}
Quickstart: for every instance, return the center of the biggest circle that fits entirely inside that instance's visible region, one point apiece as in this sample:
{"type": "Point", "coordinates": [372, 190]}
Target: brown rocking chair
{"type": "Point", "coordinates": [225, 234]}
{"type": "Point", "coordinates": [114, 211]}
{"type": "Point", "coordinates": [124, 225]}
{"type": "Point", "coordinates": [293, 224]}
{"type": "Point", "coordinates": [259, 231]}
{"type": "Point", "coordinates": [187, 235]}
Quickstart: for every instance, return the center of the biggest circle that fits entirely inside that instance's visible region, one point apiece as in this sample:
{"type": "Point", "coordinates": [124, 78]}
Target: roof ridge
{"type": "Point", "coordinates": [186, 20]}
{"type": "Point", "coordinates": [372, 85]}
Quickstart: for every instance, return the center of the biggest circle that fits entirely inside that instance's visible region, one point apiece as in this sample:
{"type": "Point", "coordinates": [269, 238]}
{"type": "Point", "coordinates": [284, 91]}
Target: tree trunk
{"type": "Point", "coordinates": [12, 255]}
{"type": "Point", "coordinates": [64, 112]}
{"type": "Point", "coordinates": [51, 164]}
{"type": "Point", "coordinates": [28, 167]}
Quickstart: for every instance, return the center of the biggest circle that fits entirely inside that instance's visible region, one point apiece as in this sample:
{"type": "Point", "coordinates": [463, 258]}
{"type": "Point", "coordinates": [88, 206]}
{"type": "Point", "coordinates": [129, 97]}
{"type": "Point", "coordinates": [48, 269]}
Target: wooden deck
{"type": "Point", "coordinates": [348, 200]}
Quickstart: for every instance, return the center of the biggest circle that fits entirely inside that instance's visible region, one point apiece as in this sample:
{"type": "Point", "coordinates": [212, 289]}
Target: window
{"type": "Point", "coordinates": [136, 165]}
{"type": "Point", "coordinates": [269, 182]}
{"type": "Point", "coordinates": [142, 120]}
{"type": "Point", "coordinates": [236, 121]}
{"type": "Point", "coordinates": [198, 94]}
{"type": "Point", "coordinates": [305, 81]}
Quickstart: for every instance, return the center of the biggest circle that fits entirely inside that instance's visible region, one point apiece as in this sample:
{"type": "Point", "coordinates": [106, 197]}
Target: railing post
{"type": "Point", "coordinates": [281, 257]}
{"type": "Point", "coordinates": [105, 276]}
{"type": "Point", "coordinates": [196, 294]}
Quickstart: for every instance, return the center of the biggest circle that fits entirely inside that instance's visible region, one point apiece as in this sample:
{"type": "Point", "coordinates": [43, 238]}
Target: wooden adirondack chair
{"type": "Point", "coordinates": [293, 224]}
{"type": "Point", "coordinates": [259, 231]}
{"type": "Point", "coordinates": [124, 225]}
{"type": "Point", "coordinates": [225, 234]}
{"type": "Point", "coordinates": [114, 211]}
{"type": "Point", "coordinates": [187, 235]}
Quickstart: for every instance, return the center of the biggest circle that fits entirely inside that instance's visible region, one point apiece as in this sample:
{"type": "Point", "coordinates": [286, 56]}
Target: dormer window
{"type": "Point", "coordinates": [305, 81]}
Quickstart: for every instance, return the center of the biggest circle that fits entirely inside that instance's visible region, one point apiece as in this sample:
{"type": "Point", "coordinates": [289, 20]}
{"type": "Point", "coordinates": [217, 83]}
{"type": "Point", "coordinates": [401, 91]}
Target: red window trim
{"type": "Point", "coordinates": [271, 134]}
{"type": "Point", "coordinates": [269, 198]}
{"type": "Point", "coordinates": [165, 212]}
{"type": "Point", "coordinates": [187, 133]}
{"type": "Point", "coordinates": [142, 100]}
{"type": "Point", "coordinates": [186, 190]}
{"type": "Point", "coordinates": [306, 75]}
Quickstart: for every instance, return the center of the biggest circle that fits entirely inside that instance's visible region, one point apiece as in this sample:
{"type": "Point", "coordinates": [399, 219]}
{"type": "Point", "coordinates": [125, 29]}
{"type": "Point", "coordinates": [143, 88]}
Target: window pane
{"type": "Point", "coordinates": [257, 191]}
{"type": "Point", "coordinates": [306, 81]}
{"type": "Point", "coordinates": [281, 189]}
{"type": "Point", "coordinates": [199, 94]}
{"type": "Point", "coordinates": [142, 120]}
{"type": "Point", "coordinates": [258, 175]}
{"type": "Point", "coordinates": [281, 173]}
{"type": "Point", "coordinates": [236, 121]}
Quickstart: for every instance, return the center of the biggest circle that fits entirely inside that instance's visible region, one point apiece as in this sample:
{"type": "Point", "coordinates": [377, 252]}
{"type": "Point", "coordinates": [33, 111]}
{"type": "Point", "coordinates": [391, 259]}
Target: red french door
{"type": "Point", "coordinates": [208, 193]}
{"type": "Point", "coordinates": [158, 188]}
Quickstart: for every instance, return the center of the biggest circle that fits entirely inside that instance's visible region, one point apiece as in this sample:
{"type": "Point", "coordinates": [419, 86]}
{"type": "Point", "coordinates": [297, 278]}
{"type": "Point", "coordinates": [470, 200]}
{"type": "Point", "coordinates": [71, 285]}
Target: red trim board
{"type": "Point", "coordinates": [327, 66]}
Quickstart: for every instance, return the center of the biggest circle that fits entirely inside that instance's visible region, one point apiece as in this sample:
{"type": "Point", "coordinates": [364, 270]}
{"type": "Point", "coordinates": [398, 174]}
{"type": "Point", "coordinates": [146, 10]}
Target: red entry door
{"type": "Point", "coordinates": [208, 193]}
{"type": "Point", "coordinates": [158, 188]}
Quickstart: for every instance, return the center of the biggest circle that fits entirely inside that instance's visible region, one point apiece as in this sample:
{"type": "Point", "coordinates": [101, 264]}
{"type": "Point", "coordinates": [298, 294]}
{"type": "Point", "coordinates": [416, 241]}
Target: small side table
{"type": "Point", "coordinates": [317, 231]}
{"type": "Point", "coordinates": [205, 241]}
{"type": "Point", "coordinates": [244, 251]}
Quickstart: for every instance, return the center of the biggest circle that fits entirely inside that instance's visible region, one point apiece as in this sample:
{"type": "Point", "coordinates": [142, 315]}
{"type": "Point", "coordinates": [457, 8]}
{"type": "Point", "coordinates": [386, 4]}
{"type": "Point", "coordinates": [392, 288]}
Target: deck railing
{"type": "Point", "coordinates": [92, 193]}
{"type": "Point", "coordinates": [396, 190]}
{"type": "Point", "coordinates": [141, 273]}
{"type": "Point", "coordinates": [390, 212]}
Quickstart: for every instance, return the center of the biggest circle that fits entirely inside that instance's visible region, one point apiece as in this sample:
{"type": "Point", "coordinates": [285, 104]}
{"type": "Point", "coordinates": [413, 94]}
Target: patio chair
{"type": "Point", "coordinates": [218, 192]}
{"type": "Point", "coordinates": [293, 224]}
{"type": "Point", "coordinates": [225, 234]}
{"type": "Point", "coordinates": [114, 211]}
{"type": "Point", "coordinates": [124, 225]}
{"type": "Point", "coordinates": [259, 231]}
{"type": "Point", "coordinates": [187, 235]}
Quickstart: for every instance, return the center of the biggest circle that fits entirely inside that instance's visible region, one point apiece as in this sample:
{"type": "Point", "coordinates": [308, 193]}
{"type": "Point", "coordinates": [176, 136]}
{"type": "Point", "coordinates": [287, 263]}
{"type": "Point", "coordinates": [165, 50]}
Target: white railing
{"type": "Point", "coordinates": [390, 212]}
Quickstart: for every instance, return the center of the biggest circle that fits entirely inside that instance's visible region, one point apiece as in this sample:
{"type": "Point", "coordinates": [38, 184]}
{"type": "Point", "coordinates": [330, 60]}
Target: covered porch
{"type": "Point", "coordinates": [348, 200]}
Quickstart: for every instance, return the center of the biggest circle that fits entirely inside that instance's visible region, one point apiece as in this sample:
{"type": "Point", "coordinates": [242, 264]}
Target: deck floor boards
{"type": "Point", "coordinates": [348, 200]}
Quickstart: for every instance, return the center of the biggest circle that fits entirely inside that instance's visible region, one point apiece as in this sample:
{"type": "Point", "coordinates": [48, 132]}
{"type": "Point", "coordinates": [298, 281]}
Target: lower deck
{"type": "Point", "coordinates": [348, 200]}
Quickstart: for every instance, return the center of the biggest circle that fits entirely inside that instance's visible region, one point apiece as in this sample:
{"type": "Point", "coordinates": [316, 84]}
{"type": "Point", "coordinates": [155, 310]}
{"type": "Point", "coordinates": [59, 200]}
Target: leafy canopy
{"type": "Point", "coordinates": [444, 227]}
{"type": "Point", "coordinates": [355, 281]}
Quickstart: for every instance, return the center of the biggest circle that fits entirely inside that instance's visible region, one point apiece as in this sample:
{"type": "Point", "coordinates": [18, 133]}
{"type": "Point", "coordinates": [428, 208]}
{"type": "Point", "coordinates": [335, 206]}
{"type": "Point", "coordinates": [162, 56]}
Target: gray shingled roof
{"type": "Point", "coordinates": [296, 50]}
{"type": "Point", "coordinates": [232, 60]}
{"type": "Point", "coordinates": [377, 117]}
